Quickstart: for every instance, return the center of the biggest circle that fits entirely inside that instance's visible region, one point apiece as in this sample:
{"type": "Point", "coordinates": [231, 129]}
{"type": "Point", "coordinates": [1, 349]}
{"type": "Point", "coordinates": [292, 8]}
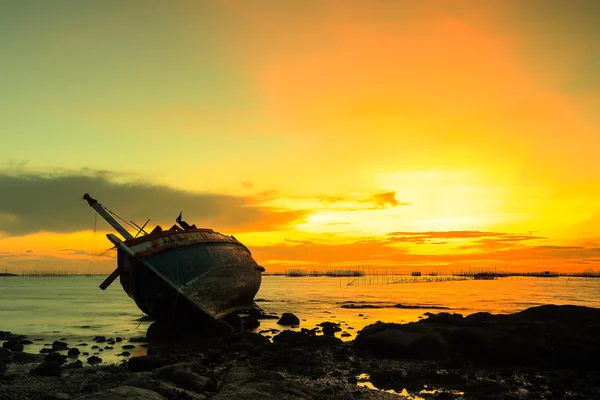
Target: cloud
{"type": "Point", "coordinates": [357, 202]}
{"type": "Point", "coordinates": [480, 238]}
{"type": "Point", "coordinates": [382, 200]}
{"type": "Point", "coordinates": [36, 202]}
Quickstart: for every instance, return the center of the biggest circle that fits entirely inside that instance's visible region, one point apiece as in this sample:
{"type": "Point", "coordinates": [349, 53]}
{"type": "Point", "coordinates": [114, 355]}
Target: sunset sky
{"type": "Point", "coordinates": [432, 135]}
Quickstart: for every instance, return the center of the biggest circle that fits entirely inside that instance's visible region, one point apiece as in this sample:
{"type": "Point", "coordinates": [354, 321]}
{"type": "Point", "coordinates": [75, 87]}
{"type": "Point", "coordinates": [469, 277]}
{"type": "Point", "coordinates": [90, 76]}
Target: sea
{"type": "Point", "coordinates": [75, 310]}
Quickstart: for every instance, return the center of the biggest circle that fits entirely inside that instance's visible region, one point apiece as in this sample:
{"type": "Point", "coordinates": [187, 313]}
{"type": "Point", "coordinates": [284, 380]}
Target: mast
{"type": "Point", "coordinates": [107, 217]}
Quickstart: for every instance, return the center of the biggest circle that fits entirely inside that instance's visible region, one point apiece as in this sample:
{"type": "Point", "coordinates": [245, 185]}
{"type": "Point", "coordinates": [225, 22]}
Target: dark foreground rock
{"type": "Point", "coordinates": [546, 336]}
{"type": "Point", "coordinates": [310, 365]}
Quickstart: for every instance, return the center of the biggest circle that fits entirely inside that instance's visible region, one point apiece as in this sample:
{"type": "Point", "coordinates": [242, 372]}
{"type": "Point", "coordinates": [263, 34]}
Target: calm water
{"type": "Point", "coordinates": [76, 309]}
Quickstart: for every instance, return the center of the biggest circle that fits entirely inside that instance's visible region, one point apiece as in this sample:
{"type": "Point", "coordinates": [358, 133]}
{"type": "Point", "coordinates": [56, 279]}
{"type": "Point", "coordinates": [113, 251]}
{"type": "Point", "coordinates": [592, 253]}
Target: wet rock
{"type": "Point", "coordinates": [73, 352]}
{"type": "Point", "coordinates": [75, 365]}
{"type": "Point", "coordinates": [241, 384]}
{"type": "Point", "coordinates": [12, 345]}
{"type": "Point", "coordinates": [108, 347]}
{"type": "Point", "coordinates": [6, 355]}
{"type": "Point", "coordinates": [288, 319]}
{"type": "Point", "coordinates": [46, 350]}
{"type": "Point", "coordinates": [302, 338]}
{"type": "Point", "coordinates": [55, 357]}
{"type": "Point", "coordinates": [181, 375]}
{"type": "Point", "coordinates": [329, 328]}
{"type": "Point", "coordinates": [47, 369]}
{"type": "Point", "coordinates": [82, 344]}
{"type": "Point", "coordinates": [125, 393]}
{"type": "Point", "coordinates": [93, 360]}
{"type": "Point", "coordinates": [145, 363]}
{"type": "Point", "coordinates": [118, 339]}
{"type": "Point", "coordinates": [94, 347]}
{"type": "Point", "coordinates": [100, 339]}
{"type": "Point", "coordinates": [124, 354]}
{"type": "Point", "coordinates": [544, 336]}
{"type": "Point", "coordinates": [128, 347]}
{"type": "Point", "coordinates": [23, 357]}
{"type": "Point", "coordinates": [58, 345]}
{"type": "Point", "coordinates": [138, 339]}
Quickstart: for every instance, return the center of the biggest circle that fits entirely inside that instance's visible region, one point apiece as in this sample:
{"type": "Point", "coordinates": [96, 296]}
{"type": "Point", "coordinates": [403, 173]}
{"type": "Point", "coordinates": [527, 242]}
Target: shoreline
{"type": "Point", "coordinates": [541, 352]}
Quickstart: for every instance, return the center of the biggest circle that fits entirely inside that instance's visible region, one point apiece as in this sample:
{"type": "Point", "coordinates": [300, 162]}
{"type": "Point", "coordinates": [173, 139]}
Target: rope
{"type": "Point", "coordinates": [119, 218]}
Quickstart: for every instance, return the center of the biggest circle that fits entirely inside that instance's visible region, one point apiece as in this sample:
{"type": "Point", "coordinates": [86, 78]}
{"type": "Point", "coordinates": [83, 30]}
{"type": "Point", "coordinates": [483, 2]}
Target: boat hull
{"type": "Point", "coordinates": [205, 275]}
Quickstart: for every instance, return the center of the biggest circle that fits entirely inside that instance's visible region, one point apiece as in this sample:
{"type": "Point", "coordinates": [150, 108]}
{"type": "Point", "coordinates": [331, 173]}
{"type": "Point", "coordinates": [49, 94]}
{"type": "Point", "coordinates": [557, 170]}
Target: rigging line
{"type": "Point", "coordinates": [119, 217]}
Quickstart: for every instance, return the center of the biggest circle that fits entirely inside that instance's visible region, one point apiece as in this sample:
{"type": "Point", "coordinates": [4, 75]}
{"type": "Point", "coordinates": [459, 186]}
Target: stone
{"type": "Point", "coordinates": [128, 347]}
{"type": "Point", "coordinates": [123, 393]}
{"type": "Point", "coordinates": [73, 352]}
{"type": "Point", "coordinates": [58, 345]}
{"type": "Point", "coordinates": [24, 357]}
{"type": "Point", "coordinates": [74, 365]}
{"type": "Point", "coordinates": [93, 360]}
{"type": "Point", "coordinates": [288, 319]}
{"type": "Point", "coordinates": [47, 369]}
{"type": "Point", "coordinates": [55, 357]}
{"type": "Point", "coordinates": [181, 375]}
{"type": "Point", "coordinates": [145, 363]}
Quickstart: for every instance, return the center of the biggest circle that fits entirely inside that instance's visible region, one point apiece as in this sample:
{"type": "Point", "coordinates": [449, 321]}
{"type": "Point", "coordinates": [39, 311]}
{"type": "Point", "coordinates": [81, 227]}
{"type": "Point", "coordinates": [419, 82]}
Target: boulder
{"type": "Point", "coordinates": [51, 368]}
{"type": "Point", "coordinates": [181, 375]}
{"type": "Point", "coordinates": [58, 345]}
{"type": "Point", "coordinates": [288, 319]}
{"type": "Point", "coordinates": [123, 393]}
{"type": "Point", "coordinates": [73, 352]}
{"type": "Point", "coordinates": [145, 363]}
{"type": "Point", "coordinates": [93, 360]}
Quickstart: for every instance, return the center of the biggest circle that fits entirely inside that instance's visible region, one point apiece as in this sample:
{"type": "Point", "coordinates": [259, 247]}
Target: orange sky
{"type": "Point", "coordinates": [435, 135]}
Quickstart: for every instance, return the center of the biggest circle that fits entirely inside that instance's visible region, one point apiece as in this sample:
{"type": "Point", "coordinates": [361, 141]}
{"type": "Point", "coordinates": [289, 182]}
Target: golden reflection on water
{"type": "Point", "coordinates": [364, 381]}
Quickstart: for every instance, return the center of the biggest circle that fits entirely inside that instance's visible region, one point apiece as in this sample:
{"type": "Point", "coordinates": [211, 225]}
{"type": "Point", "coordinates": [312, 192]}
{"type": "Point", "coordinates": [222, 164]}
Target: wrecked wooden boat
{"type": "Point", "coordinates": [183, 273]}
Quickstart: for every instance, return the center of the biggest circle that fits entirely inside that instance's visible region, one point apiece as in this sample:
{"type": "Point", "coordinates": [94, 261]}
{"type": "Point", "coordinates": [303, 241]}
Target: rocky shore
{"type": "Point", "coordinates": [546, 352]}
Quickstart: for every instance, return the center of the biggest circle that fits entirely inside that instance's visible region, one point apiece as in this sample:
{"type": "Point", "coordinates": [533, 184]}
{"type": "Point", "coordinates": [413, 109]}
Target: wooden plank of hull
{"type": "Point", "coordinates": [215, 273]}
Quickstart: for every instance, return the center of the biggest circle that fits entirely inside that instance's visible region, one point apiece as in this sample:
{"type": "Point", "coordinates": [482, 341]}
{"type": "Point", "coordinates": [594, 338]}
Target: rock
{"type": "Point", "coordinates": [73, 352]}
{"type": "Point", "coordinates": [118, 339]}
{"type": "Point", "coordinates": [100, 339]}
{"type": "Point", "coordinates": [128, 347]}
{"type": "Point", "coordinates": [124, 354]}
{"type": "Point", "coordinates": [241, 384]}
{"type": "Point", "coordinates": [55, 357]}
{"type": "Point", "coordinates": [183, 377]}
{"type": "Point", "coordinates": [123, 393]}
{"type": "Point", "coordinates": [23, 357]}
{"type": "Point", "coordinates": [329, 328]}
{"type": "Point", "coordinates": [93, 360]}
{"type": "Point", "coordinates": [288, 319]}
{"type": "Point", "coordinates": [6, 355]}
{"type": "Point", "coordinates": [46, 350]}
{"type": "Point", "coordinates": [94, 347]}
{"type": "Point", "coordinates": [546, 336]}
{"type": "Point", "coordinates": [145, 363]}
{"type": "Point", "coordinates": [138, 339]}
{"type": "Point", "coordinates": [58, 345]}
{"type": "Point", "coordinates": [47, 369]}
{"type": "Point", "coordinates": [13, 345]}
{"type": "Point", "coordinates": [74, 365]}
{"type": "Point", "coordinates": [3, 366]}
